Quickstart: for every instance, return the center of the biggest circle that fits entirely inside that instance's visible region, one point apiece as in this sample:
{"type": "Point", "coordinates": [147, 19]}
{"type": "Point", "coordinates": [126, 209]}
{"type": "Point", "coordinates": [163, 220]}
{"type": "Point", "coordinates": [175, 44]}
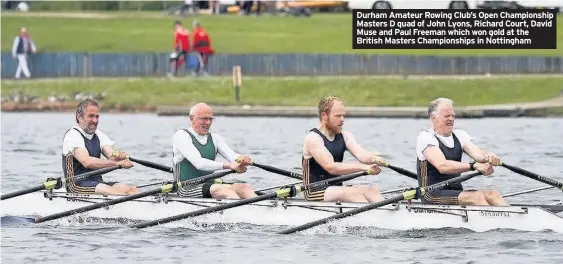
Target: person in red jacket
{"type": "Point", "coordinates": [181, 45]}
{"type": "Point", "coordinates": [202, 46]}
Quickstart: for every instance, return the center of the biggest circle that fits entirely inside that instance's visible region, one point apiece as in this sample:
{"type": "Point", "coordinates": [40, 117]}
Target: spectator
{"type": "Point", "coordinates": [185, 7]}
{"type": "Point", "coordinates": [181, 46]}
{"type": "Point", "coordinates": [202, 47]}
{"type": "Point", "coordinates": [22, 47]}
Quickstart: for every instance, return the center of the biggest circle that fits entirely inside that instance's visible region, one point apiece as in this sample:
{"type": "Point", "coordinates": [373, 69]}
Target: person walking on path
{"type": "Point", "coordinates": [22, 47]}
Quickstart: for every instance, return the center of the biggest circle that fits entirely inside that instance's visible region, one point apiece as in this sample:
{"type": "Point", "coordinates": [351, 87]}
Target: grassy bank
{"type": "Point", "coordinates": [300, 91]}
{"type": "Point", "coordinates": [146, 31]}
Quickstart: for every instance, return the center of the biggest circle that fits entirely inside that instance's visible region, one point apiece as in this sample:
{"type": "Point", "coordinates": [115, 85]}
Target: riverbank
{"type": "Point", "coordinates": [547, 108]}
{"type": "Point", "coordinates": [151, 32]}
{"type": "Point", "coordinates": [405, 96]}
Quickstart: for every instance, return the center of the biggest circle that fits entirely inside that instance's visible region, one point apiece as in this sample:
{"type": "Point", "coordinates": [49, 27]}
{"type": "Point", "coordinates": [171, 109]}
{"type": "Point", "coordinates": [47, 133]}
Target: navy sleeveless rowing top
{"type": "Point", "coordinates": [316, 172]}
{"type": "Point", "coordinates": [94, 150]}
{"type": "Point", "coordinates": [428, 174]}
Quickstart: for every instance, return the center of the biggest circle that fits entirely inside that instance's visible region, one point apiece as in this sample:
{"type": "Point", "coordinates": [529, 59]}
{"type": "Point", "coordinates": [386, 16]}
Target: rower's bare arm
{"type": "Point", "coordinates": [361, 154]}
{"type": "Point", "coordinates": [435, 156]}
{"type": "Point", "coordinates": [81, 154]}
{"type": "Point", "coordinates": [315, 147]}
{"type": "Point", "coordinates": [479, 155]}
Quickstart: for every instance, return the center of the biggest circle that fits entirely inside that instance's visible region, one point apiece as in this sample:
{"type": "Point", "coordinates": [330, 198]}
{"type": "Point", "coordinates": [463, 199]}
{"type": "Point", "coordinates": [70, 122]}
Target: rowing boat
{"type": "Point", "coordinates": [295, 211]}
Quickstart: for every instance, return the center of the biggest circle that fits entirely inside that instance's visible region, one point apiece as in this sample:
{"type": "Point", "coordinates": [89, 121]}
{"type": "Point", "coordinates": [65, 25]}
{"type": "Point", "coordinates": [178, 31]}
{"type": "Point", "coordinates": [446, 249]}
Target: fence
{"type": "Point", "coordinates": [54, 65]}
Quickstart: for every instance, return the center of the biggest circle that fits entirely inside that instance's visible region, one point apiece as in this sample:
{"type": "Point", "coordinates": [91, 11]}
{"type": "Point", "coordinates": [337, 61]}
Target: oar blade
{"type": "Point", "coordinates": [12, 221]}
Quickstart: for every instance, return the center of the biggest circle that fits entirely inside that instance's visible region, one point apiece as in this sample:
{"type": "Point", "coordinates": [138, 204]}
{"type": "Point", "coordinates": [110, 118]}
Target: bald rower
{"type": "Point", "coordinates": [194, 152]}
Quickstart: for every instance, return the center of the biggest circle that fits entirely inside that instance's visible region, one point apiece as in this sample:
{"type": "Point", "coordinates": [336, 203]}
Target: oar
{"type": "Point", "coordinates": [528, 191]}
{"type": "Point", "coordinates": [56, 183]}
{"type": "Point", "coordinates": [261, 191]}
{"type": "Point", "coordinates": [278, 171]}
{"type": "Point", "coordinates": [286, 192]}
{"type": "Point", "coordinates": [394, 190]}
{"type": "Point", "coordinates": [416, 193]}
{"type": "Point", "coordinates": [163, 189]}
{"type": "Point", "coordinates": [277, 186]}
{"type": "Point", "coordinates": [402, 171]}
{"type": "Point", "coordinates": [534, 176]}
{"type": "Point", "coordinates": [152, 184]}
{"type": "Point", "coordinates": [152, 165]}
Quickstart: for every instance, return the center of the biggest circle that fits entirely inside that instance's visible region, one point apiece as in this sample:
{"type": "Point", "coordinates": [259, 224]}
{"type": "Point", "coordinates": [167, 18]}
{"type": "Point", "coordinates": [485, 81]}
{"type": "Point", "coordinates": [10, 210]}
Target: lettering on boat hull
{"type": "Point", "coordinates": [494, 214]}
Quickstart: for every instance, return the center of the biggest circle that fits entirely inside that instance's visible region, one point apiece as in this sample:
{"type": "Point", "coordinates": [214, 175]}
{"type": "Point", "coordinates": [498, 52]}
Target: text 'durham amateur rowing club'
{"type": "Point", "coordinates": [454, 29]}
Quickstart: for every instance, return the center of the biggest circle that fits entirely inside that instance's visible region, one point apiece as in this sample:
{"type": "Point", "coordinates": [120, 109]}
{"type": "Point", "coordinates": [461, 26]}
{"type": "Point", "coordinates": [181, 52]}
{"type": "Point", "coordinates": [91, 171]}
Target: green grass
{"type": "Point", "coordinates": [150, 32]}
{"type": "Point", "coordinates": [301, 91]}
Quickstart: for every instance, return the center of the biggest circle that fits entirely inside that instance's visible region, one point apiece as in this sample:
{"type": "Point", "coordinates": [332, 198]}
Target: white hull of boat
{"type": "Point", "coordinates": [293, 212]}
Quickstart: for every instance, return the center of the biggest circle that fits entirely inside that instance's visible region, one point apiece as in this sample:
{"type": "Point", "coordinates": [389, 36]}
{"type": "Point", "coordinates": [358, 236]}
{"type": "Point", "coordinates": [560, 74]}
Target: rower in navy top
{"type": "Point", "coordinates": [83, 147]}
{"type": "Point", "coordinates": [323, 155]}
{"type": "Point", "coordinates": [439, 153]}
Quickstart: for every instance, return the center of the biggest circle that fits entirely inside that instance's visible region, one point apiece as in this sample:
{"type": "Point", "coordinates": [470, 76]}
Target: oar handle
{"type": "Point", "coordinates": [278, 171]}
{"type": "Point", "coordinates": [534, 176]}
{"type": "Point", "coordinates": [402, 171]}
{"type": "Point", "coordinates": [151, 164]}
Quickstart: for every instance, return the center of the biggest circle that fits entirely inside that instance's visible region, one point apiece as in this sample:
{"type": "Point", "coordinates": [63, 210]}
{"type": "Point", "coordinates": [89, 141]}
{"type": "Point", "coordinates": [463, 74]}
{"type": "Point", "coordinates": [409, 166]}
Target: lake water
{"type": "Point", "coordinates": [31, 145]}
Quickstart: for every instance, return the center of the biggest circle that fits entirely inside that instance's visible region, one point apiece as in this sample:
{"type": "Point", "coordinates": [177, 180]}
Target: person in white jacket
{"type": "Point", "coordinates": [23, 46]}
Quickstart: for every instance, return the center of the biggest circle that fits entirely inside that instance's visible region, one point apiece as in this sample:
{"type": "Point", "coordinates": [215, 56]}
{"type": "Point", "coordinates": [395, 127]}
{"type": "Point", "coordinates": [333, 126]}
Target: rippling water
{"type": "Point", "coordinates": [31, 145]}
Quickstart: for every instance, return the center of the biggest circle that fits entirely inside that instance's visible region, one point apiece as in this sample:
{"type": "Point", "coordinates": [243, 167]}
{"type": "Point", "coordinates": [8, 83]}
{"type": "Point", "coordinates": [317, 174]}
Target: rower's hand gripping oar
{"type": "Point", "coordinates": [282, 193]}
{"type": "Point", "coordinates": [534, 176]}
{"type": "Point", "coordinates": [57, 183]}
{"type": "Point", "coordinates": [414, 193]}
{"type": "Point", "coordinates": [170, 187]}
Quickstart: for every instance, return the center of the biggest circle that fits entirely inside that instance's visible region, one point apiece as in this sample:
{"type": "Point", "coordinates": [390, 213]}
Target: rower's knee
{"type": "Point", "coordinates": [373, 189]}
{"type": "Point", "coordinates": [473, 198]}
{"type": "Point", "coordinates": [366, 188]}
{"type": "Point", "coordinates": [223, 193]}
{"type": "Point", "coordinates": [132, 189]}
{"type": "Point", "coordinates": [494, 197]}
{"type": "Point", "coordinates": [492, 194]}
{"type": "Point", "coordinates": [242, 187]}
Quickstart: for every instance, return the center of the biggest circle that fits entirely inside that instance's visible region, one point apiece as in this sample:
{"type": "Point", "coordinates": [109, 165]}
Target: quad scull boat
{"type": "Point", "coordinates": [161, 206]}
{"type": "Point", "coordinates": [295, 211]}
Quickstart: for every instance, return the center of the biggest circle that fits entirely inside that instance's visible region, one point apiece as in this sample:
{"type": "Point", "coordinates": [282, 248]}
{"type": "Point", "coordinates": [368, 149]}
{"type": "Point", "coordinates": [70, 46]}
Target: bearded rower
{"type": "Point", "coordinates": [323, 153]}
{"type": "Point", "coordinates": [194, 152]}
{"type": "Point", "coordinates": [83, 146]}
{"type": "Point", "coordinates": [439, 151]}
